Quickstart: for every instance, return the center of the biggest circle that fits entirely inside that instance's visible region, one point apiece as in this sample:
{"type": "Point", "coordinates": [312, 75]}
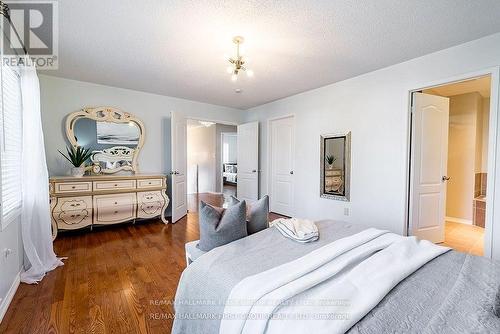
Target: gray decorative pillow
{"type": "Point", "coordinates": [257, 214]}
{"type": "Point", "coordinates": [219, 227]}
{"type": "Point", "coordinates": [496, 307]}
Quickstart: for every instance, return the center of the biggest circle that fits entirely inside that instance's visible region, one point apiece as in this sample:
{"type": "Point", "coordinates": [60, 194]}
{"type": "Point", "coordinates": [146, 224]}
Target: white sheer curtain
{"type": "Point", "coordinates": [35, 212]}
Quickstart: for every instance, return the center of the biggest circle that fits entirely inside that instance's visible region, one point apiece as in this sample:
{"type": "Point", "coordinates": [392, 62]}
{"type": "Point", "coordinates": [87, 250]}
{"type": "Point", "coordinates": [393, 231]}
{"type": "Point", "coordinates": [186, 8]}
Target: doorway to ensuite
{"type": "Point", "coordinates": [449, 163]}
{"type": "Point", "coordinates": [211, 161]}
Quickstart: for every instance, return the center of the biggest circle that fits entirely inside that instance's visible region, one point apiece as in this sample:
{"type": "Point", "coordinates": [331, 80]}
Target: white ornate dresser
{"type": "Point", "coordinates": [104, 196]}
{"type": "Point", "coordinates": [103, 200]}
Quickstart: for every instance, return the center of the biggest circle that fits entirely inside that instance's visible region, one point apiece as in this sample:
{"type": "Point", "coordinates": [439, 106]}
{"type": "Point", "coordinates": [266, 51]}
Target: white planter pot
{"type": "Point", "coordinates": [77, 171]}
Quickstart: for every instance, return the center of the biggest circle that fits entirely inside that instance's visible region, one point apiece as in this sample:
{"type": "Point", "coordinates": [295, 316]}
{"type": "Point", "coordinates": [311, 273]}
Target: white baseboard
{"type": "Point", "coordinates": [458, 220]}
{"type": "Point", "coordinates": [8, 298]}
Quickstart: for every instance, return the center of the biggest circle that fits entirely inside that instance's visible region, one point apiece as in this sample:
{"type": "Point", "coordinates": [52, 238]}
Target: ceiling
{"type": "Point", "coordinates": [480, 85]}
{"type": "Point", "coordinates": [178, 48]}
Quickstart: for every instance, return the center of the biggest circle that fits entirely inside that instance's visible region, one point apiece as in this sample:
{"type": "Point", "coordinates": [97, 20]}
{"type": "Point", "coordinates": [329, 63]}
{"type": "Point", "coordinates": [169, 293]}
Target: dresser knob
{"type": "Point", "coordinates": [73, 187]}
{"type": "Point", "coordinates": [116, 203]}
{"type": "Point", "coordinates": [116, 212]}
{"type": "Point", "coordinates": [116, 185]}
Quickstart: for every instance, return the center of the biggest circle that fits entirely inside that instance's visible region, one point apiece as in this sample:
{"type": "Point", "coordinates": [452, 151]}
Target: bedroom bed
{"type": "Point", "coordinates": [452, 293]}
{"type": "Point", "coordinates": [230, 173]}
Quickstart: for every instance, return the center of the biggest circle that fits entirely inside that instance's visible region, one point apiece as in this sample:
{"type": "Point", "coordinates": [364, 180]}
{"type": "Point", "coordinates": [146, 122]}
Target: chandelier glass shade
{"type": "Point", "coordinates": [238, 63]}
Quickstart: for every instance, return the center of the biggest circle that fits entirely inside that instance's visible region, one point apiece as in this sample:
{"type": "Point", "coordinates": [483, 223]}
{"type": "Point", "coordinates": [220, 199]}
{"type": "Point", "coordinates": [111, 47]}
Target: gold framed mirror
{"type": "Point", "coordinates": [115, 137]}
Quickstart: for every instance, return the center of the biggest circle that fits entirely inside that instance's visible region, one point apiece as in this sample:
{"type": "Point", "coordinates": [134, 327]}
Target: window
{"type": "Point", "coordinates": [11, 143]}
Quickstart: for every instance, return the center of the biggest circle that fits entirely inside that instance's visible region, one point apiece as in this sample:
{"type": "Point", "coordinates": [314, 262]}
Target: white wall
{"type": "Point", "coordinates": [485, 131]}
{"type": "Point", "coordinates": [201, 159]}
{"type": "Point", "coordinates": [229, 148]}
{"type": "Point", "coordinates": [10, 238]}
{"type": "Point", "coordinates": [374, 106]}
{"type": "Point", "coordinates": [59, 97]}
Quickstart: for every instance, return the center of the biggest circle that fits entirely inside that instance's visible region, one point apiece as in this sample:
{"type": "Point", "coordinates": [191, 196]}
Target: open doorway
{"type": "Point", "coordinates": [209, 160]}
{"type": "Point", "coordinates": [229, 164]}
{"type": "Point", "coordinates": [449, 164]}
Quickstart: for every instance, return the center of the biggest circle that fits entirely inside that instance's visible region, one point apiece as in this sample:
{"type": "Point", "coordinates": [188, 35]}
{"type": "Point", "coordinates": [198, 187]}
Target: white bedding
{"type": "Point", "coordinates": [355, 273]}
{"type": "Point", "coordinates": [300, 230]}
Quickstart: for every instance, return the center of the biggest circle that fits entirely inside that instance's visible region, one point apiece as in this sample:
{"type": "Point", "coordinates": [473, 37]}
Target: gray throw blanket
{"type": "Point", "coordinates": [454, 293]}
{"type": "Point", "coordinates": [497, 303]}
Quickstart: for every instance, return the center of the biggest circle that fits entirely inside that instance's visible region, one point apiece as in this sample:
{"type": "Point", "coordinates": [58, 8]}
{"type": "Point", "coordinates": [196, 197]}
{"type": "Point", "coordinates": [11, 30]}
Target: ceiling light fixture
{"type": "Point", "coordinates": [238, 62]}
{"type": "Point", "coordinates": [206, 124]}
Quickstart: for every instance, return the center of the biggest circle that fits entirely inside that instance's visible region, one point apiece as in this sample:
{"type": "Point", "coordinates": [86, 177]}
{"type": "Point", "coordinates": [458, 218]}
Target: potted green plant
{"type": "Point", "coordinates": [330, 159]}
{"type": "Point", "coordinates": [77, 156]}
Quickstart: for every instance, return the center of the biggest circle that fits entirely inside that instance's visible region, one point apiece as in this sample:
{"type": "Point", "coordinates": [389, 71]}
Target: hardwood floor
{"type": "Point", "coordinates": [464, 238]}
{"type": "Point", "coordinates": [229, 190]}
{"type": "Point", "coordinates": [117, 279]}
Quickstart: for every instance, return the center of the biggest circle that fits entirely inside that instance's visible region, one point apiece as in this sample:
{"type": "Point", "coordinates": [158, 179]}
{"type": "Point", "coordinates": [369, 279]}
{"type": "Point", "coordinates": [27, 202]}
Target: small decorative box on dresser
{"type": "Point", "coordinates": [78, 202]}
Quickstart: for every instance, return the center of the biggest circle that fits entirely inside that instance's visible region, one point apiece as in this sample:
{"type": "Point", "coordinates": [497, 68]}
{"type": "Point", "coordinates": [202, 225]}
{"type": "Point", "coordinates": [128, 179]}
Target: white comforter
{"type": "Point", "coordinates": [328, 290]}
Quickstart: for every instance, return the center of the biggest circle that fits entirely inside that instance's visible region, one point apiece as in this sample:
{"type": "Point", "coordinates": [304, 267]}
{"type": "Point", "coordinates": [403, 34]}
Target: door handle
{"type": "Point", "coordinates": [445, 178]}
{"type": "Point", "coordinates": [254, 171]}
{"type": "Point", "coordinates": [291, 172]}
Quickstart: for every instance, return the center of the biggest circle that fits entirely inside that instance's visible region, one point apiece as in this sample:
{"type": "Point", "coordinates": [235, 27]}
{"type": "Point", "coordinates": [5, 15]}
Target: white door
{"type": "Point", "coordinates": [179, 166]}
{"type": "Point", "coordinates": [248, 161]}
{"type": "Point", "coordinates": [282, 135]}
{"type": "Point", "coordinates": [430, 119]}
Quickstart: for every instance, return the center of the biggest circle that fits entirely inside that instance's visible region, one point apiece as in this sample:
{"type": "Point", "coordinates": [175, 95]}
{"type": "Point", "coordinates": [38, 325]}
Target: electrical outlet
{"type": "Point", "coordinates": [346, 211]}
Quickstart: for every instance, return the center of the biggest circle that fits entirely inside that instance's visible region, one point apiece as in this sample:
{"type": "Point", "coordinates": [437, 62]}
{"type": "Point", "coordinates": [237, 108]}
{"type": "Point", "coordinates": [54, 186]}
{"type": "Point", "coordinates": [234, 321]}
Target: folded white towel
{"type": "Point", "coordinates": [300, 230]}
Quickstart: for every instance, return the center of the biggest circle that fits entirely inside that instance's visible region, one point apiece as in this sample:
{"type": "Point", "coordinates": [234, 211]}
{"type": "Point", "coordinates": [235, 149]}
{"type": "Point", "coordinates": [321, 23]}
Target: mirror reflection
{"type": "Point", "coordinates": [113, 144]}
{"type": "Point", "coordinates": [101, 134]}
{"type": "Point", "coordinates": [335, 166]}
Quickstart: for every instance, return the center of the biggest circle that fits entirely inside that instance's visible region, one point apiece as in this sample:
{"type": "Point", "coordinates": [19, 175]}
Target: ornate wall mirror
{"type": "Point", "coordinates": [115, 137]}
{"type": "Point", "coordinates": [335, 166]}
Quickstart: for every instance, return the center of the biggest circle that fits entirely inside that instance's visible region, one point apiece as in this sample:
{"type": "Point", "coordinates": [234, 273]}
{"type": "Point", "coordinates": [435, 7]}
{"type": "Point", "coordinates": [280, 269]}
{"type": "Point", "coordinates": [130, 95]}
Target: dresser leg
{"type": "Point", "coordinates": [54, 230]}
{"type": "Point", "coordinates": [165, 206]}
{"type": "Point", "coordinates": [53, 202]}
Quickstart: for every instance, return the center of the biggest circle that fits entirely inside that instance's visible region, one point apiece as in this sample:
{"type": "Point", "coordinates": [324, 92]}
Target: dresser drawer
{"type": "Point", "coordinates": [149, 210]}
{"type": "Point", "coordinates": [149, 204]}
{"type": "Point", "coordinates": [72, 187]}
{"type": "Point", "coordinates": [114, 185]}
{"type": "Point", "coordinates": [71, 220]}
{"type": "Point", "coordinates": [115, 208]}
{"type": "Point", "coordinates": [73, 203]}
{"type": "Point", "coordinates": [73, 212]}
{"type": "Point", "coordinates": [149, 183]}
{"type": "Point", "coordinates": [149, 196]}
